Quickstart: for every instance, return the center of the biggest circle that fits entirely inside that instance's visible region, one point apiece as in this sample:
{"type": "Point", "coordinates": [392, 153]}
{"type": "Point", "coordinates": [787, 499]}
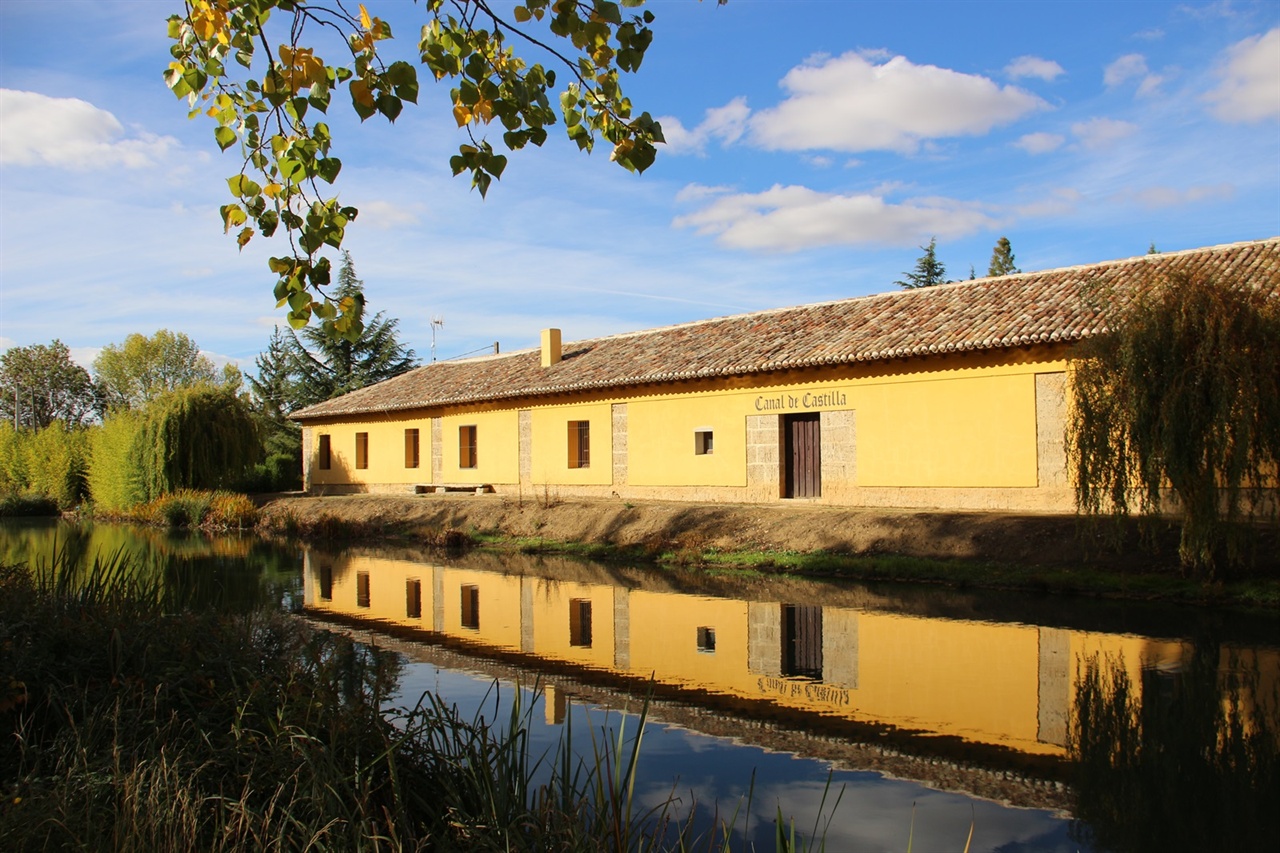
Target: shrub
{"type": "Point", "coordinates": [231, 511]}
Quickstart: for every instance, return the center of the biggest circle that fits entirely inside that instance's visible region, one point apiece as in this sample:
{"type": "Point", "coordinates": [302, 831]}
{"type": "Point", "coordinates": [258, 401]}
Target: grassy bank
{"type": "Point", "coordinates": [131, 721]}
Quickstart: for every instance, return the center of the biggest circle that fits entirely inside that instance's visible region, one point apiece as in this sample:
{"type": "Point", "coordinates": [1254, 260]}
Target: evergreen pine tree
{"type": "Point", "coordinates": [929, 270]}
{"type": "Point", "coordinates": [1002, 259]}
{"type": "Point", "coordinates": [327, 365]}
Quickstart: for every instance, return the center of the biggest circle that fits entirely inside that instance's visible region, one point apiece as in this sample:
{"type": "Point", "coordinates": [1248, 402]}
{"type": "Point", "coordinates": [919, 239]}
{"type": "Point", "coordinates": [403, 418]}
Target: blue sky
{"type": "Point", "coordinates": [814, 146]}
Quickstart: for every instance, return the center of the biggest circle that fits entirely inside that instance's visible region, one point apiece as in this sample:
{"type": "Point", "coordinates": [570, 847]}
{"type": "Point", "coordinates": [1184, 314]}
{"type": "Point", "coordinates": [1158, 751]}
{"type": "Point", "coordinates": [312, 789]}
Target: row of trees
{"type": "Point", "coordinates": [40, 384]}
{"type": "Point", "coordinates": [156, 415]}
{"type": "Point", "coordinates": [930, 271]}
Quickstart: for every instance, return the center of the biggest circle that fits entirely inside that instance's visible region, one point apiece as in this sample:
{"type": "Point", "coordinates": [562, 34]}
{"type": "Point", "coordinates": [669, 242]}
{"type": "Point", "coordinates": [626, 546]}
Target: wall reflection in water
{"type": "Point", "coordinates": [1005, 686]}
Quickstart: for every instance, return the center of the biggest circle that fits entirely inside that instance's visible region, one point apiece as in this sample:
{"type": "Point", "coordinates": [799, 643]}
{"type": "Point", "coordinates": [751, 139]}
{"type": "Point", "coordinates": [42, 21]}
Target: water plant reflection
{"type": "Point", "coordinates": [1185, 759]}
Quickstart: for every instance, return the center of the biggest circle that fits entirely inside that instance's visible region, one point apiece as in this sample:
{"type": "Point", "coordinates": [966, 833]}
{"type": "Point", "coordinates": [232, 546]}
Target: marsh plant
{"type": "Point", "coordinates": [131, 720]}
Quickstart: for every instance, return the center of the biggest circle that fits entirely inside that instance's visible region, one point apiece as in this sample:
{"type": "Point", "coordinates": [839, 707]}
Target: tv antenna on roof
{"type": "Point", "coordinates": [435, 322]}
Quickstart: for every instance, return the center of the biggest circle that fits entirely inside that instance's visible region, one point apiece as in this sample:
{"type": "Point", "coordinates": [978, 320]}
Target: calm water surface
{"type": "Point", "coordinates": [922, 711]}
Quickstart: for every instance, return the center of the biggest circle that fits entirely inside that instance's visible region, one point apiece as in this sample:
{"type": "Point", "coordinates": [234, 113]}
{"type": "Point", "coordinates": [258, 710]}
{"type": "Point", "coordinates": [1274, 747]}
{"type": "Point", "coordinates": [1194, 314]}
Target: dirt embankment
{"type": "Point", "coordinates": [660, 525]}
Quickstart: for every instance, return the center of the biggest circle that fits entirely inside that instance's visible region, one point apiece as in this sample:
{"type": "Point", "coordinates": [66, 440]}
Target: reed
{"type": "Point", "coordinates": [130, 721]}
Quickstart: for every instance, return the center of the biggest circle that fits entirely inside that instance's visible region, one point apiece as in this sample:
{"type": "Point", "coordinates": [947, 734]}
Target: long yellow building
{"type": "Point", "coordinates": [951, 397]}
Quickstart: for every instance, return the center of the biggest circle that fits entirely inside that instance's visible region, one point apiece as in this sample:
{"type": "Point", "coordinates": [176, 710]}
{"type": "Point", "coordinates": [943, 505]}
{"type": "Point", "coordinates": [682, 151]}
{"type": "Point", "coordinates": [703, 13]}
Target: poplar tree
{"type": "Point", "coordinates": [929, 270]}
{"type": "Point", "coordinates": [1002, 260]}
{"type": "Point", "coordinates": [1181, 399]}
{"type": "Point", "coordinates": [267, 71]}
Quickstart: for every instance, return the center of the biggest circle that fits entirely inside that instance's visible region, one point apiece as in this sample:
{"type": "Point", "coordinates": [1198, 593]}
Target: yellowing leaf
{"type": "Point", "coordinates": [461, 115]}
{"type": "Point", "coordinates": [360, 92]}
{"type": "Point", "coordinates": [244, 237]}
{"type": "Point", "coordinates": [272, 190]}
{"type": "Point", "coordinates": [364, 17]}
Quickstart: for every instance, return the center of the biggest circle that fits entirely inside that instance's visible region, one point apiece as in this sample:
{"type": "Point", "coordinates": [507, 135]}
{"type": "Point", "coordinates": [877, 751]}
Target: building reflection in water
{"type": "Point", "coordinates": [851, 669]}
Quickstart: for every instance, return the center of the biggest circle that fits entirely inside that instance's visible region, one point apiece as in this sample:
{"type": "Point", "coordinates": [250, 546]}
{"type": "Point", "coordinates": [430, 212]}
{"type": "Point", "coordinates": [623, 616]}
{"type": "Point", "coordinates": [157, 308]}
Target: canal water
{"type": "Point", "coordinates": [869, 714]}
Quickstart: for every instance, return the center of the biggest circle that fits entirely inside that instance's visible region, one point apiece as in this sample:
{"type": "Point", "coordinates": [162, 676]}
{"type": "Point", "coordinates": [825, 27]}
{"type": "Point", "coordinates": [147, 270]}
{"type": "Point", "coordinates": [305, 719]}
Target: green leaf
{"type": "Point", "coordinates": [243, 186]}
{"type": "Point", "coordinates": [328, 168]}
{"type": "Point", "coordinates": [225, 137]}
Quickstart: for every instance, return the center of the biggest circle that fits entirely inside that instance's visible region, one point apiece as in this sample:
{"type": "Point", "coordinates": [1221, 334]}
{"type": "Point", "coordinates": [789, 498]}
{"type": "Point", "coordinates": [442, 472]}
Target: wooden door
{"type": "Point", "coordinates": [803, 455]}
{"type": "Point", "coordinates": [802, 640]}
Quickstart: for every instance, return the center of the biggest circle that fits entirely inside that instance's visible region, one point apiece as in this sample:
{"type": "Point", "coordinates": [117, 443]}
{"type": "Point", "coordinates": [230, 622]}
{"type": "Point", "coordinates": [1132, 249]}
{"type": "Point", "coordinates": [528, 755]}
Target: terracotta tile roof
{"type": "Point", "coordinates": [985, 314]}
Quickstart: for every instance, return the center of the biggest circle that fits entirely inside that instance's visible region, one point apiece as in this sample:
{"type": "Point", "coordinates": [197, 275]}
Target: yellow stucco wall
{"type": "Point", "coordinates": [920, 427]}
{"type": "Point", "coordinates": [660, 440]}
{"type": "Point", "coordinates": [386, 452]}
{"type": "Point", "coordinates": [497, 451]}
{"type": "Point", "coordinates": [550, 445]}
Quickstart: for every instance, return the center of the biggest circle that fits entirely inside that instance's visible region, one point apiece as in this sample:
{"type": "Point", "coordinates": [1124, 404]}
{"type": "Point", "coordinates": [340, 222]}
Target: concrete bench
{"type": "Point", "coordinates": [432, 488]}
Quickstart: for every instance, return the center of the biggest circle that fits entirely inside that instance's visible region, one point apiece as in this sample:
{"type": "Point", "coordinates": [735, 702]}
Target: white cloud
{"type": "Point", "coordinates": [1102, 132]}
{"type": "Point", "coordinates": [1156, 198]}
{"type": "Point", "coordinates": [1250, 87]}
{"type": "Point", "coordinates": [725, 124]}
{"type": "Point", "coordinates": [84, 356]}
{"type": "Point", "coordinates": [1040, 143]}
{"type": "Point", "coordinates": [851, 103]}
{"type": "Point", "coordinates": [68, 133]}
{"type": "Point", "coordinates": [1034, 66]}
{"type": "Point", "coordinates": [1129, 67]}
{"type": "Point", "coordinates": [387, 215]}
{"type": "Point", "coordinates": [790, 218]}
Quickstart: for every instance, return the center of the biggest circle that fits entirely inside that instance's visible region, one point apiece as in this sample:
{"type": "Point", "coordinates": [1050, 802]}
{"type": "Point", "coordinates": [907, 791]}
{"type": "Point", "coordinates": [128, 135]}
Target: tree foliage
{"type": "Point", "coordinates": [327, 365]}
{"type": "Point", "coordinates": [40, 384]}
{"type": "Point", "coordinates": [1002, 262]}
{"type": "Point", "coordinates": [141, 369]}
{"type": "Point", "coordinates": [928, 271]}
{"type": "Point", "coordinates": [202, 437]}
{"type": "Point", "coordinates": [272, 108]}
{"type": "Point", "coordinates": [1182, 395]}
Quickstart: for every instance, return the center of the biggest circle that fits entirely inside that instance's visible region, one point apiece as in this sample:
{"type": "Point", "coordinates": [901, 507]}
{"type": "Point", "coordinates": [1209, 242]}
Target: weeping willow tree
{"type": "Point", "coordinates": [1181, 399]}
{"type": "Point", "coordinates": [202, 437]}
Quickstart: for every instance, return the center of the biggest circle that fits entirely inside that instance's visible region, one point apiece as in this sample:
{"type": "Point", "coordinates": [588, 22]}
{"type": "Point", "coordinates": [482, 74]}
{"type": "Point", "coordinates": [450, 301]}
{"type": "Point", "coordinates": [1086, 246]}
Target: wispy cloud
{"type": "Point", "coordinates": [1034, 66]}
{"type": "Point", "coordinates": [68, 133]}
{"type": "Point", "coordinates": [853, 103]}
{"type": "Point", "coordinates": [1250, 87]}
{"type": "Point", "coordinates": [1132, 66]}
{"type": "Point", "coordinates": [791, 218]}
{"type": "Point", "coordinates": [1102, 132]}
{"type": "Point", "coordinates": [1040, 143]}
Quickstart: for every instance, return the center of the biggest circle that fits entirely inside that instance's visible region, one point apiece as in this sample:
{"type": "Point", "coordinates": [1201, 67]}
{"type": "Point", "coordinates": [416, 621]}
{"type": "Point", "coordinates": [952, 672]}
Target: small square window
{"type": "Point", "coordinates": [703, 442]}
{"type": "Point", "coordinates": [325, 454]}
{"type": "Point", "coordinates": [467, 447]}
{"type": "Point", "coordinates": [362, 450]}
{"type": "Point", "coordinates": [707, 640]}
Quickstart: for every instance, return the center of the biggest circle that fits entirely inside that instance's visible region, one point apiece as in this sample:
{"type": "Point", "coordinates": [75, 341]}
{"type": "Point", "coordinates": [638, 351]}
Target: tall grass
{"type": "Point", "coordinates": [132, 721]}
